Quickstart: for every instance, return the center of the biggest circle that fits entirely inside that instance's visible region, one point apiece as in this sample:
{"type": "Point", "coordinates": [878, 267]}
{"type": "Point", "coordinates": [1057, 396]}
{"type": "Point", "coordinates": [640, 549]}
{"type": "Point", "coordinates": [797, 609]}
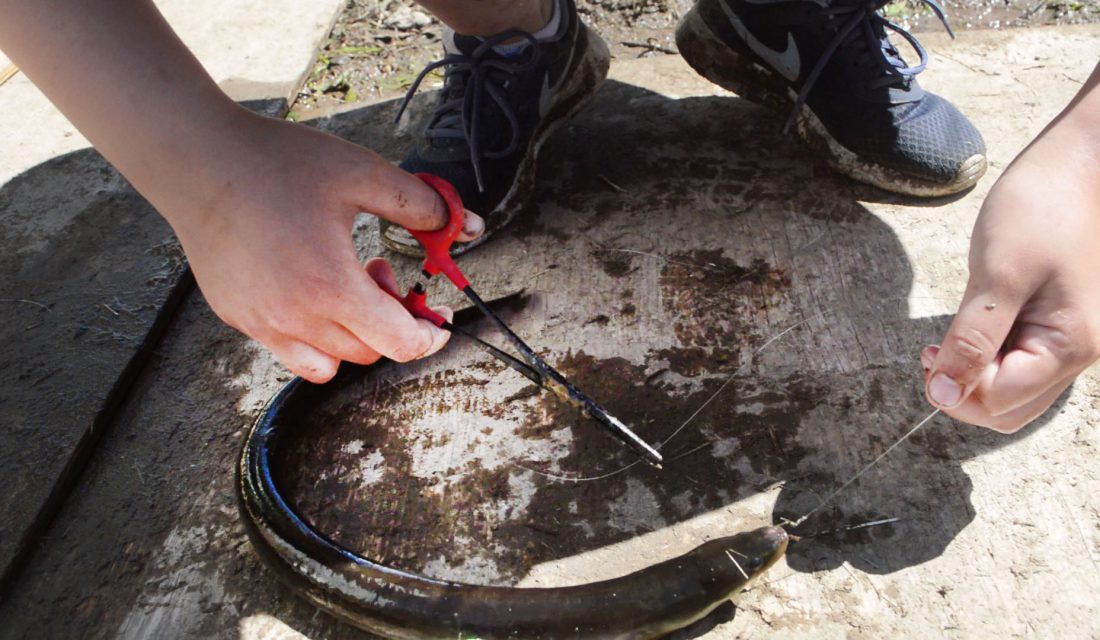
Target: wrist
{"type": "Point", "coordinates": [1067, 154]}
{"type": "Point", "coordinates": [185, 165]}
{"type": "Point", "coordinates": [1071, 142]}
{"type": "Point", "coordinates": [202, 170]}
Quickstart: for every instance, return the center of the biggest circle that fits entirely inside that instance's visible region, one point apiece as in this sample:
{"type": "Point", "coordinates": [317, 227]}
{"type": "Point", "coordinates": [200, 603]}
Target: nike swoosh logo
{"type": "Point", "coordinates": [786, 62]}
{"type": "Point", "coordinates": [546, 95]}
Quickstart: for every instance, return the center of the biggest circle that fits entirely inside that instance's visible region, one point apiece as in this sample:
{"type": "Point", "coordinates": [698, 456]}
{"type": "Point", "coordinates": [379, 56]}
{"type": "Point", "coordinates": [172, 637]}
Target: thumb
{"type": "Point", "coordinates": [398, 196]}
{"type": "Point", "coordinates": [970, 345]}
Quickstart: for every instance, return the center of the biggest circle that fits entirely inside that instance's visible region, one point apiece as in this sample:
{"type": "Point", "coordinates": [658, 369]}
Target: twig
{"type": "Point", "coordinates": [44, 377]}
{"type": "Point", "coordinates": [650, 46]}
{"type": "Point", "coordinates": [105, 306]}
{"type": "Point", "coordinates": [611, 184]}
{"type": "Point", "coordinates": [31, 302]}
{"type": "Point", "coordinates": [968, 66]}
{"type": "Point", "coordinates": [1080, 531]}
{"type": "Point", "coordinates": [1032, 11]}
{"type": "Point", "coordinates": [870, 562]}
{"type": "Point", "coordinates": [690, 265]}
{"type": "Point", "coordinates": [775, 442]}
{"type": "Point", "coordinates": [736, 564]}
{"type": "Point", "coordinates": [863, 525]}
{"type": "Point", "coordinates": [8, 73]}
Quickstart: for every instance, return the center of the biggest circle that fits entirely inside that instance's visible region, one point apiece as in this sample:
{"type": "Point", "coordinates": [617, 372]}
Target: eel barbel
{"type": "Point", "coordinates": [397, 604]}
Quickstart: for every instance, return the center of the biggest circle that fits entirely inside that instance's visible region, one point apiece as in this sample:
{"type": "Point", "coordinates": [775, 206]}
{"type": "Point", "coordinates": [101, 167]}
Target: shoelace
{"type": "Point", "coordinates": [866, 27]}
{"type": "Point", "coordinates": [460, 117]}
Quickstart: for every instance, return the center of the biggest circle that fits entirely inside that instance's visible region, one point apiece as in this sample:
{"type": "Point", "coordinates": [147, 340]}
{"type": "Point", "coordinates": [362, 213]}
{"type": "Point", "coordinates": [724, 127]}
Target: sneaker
{"type": "Point", "coordinates": [495, 112]}
{"type": "Point", "coordinates": [830, 64]}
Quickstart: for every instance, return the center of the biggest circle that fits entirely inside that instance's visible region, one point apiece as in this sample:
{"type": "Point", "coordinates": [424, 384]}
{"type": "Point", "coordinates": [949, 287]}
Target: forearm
{"type": "Point", "coordinates": [121, 75]}
{"type": "Point", "coordinates": [1084, 109]}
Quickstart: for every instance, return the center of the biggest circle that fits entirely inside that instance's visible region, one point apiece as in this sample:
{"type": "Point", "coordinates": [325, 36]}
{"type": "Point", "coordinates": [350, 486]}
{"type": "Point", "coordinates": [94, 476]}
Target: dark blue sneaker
{"type": "Point", "coordinates": [831, 66]}
{"type": "Point", "coordinates": [494, 113]}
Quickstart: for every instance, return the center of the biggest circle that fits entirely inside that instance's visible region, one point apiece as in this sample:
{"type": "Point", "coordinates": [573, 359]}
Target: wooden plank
{"type": "Point", "coordinates": [93, 276]}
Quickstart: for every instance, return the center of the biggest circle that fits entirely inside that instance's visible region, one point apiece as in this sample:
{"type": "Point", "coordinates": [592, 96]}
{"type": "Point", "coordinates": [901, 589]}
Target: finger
{"type": "Point", "coordinates": [402, 198]}
{"type": "Point", "coordinates": [1013, 379]}
{"type": "Point", "coordinates": [387, 326]}
{"type": "Point", "coordinates": [472, 227]}
{"type": "Point", "coordinates": [382, 273]}
{"type": "Point", "coordinates": [928, 358]}
{"type": "Point", "coordinates": [304, 360]}
{"type": "Point", "coordinates": [973, 410]}
{"type": "Point", "coordinates": [440, 338]}
{"type": "Point", "coordinates": [382, 322]}
{"type": "Point", "coordinates": [1025, 372]}
{"type": "Point", "coordinates": [971, 343]}
{"type": "Point", "coordinates": [337, 341]}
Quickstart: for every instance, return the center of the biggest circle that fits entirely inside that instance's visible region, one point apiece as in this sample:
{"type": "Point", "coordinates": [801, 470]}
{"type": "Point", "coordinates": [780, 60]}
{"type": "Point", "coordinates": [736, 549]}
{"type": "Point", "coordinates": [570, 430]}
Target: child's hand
{"type": "Point", "coordinates": [1030, 319]}
{"type": "Point", "coordinates": [267, 229]}
{"type": "Point", "coordinates": [264, 208]}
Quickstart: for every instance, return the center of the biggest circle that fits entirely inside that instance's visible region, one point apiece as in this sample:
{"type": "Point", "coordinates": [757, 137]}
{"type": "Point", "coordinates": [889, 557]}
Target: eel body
{"type": "Point", "coordinates": [397, 604]}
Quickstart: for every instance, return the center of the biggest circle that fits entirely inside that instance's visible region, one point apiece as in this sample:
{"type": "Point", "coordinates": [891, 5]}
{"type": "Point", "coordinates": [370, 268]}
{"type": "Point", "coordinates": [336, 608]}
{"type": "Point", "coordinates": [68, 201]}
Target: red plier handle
{"type": "Point", "coordinates": [437, 244]}
{"type": "Point", "coordinates": [437, 252]}
{"type": "Point", "coordinates": [416, 303]}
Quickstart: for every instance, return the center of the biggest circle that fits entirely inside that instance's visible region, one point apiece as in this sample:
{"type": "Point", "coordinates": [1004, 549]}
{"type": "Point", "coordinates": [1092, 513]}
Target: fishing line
{"type": "Point", "coordinates": [861, 471]}
{"type": "Point", "coordinates": [740, 370]}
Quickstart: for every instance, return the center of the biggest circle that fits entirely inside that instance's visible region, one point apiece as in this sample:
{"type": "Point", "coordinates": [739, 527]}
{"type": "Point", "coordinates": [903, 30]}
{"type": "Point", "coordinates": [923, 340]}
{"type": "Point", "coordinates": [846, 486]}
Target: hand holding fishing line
{"type": "Point", "coordinates": [1029, 322]}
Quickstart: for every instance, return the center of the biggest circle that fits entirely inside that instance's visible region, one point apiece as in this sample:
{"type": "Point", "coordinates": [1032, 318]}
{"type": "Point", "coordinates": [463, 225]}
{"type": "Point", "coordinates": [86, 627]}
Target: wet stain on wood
{"type": "Point", "coordinates": [714, 300]}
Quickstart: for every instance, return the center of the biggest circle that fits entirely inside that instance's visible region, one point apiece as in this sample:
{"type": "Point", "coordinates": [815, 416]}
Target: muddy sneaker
{"type": "Point", "coordinates": [497, 107]}
{"type": "Point", "coordinates": [854, 99]}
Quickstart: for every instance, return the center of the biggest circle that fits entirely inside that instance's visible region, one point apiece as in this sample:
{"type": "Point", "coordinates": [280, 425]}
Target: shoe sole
{"type": "Point", "coordinates": [587, 72]}
{"type": "Point", "coordinates": [717, 62]}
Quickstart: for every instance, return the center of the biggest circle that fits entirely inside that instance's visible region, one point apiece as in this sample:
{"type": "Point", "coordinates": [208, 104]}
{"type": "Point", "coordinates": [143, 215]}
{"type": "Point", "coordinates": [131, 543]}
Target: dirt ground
{"type": "Point", "coordinates": [377, 47]}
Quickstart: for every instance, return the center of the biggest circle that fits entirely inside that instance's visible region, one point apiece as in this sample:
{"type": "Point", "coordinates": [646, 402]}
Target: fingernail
{"type": "Point", "coordinates": [474, 224]}
{"type": "Point", "coordinates": [439, 336]}
{"type": "Point", "coordinates": [944, 391]}
{"type": "Point", "coordinates": [446, 312]}
{"type": "Point", "coordinates": [435, 344]}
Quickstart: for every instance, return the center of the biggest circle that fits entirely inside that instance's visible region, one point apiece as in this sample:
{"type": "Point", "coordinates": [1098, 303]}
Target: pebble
{"type": "Point", "coordinates": [406, 18]}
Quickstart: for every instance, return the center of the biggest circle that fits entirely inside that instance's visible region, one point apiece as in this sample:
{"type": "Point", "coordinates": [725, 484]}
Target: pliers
{"type": "Point", "coordinates": [437, 245]}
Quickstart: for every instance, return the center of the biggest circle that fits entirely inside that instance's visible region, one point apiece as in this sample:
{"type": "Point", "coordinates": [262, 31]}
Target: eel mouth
{"type": "Point", "coordinates": [779, 539]}
{"type": "Point", "coordinates": [777, 535]}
